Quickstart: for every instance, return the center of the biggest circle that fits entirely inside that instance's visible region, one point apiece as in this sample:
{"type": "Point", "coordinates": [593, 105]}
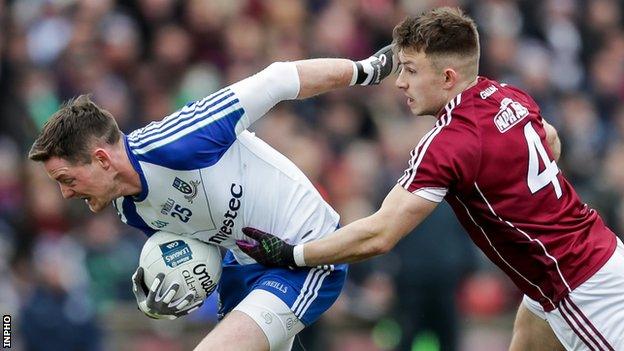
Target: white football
{"type": "Point", "coordinates": [194, 264]}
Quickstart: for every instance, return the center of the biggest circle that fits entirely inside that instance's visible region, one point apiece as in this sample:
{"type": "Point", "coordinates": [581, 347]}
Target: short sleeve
{"type": "Point", "coordinates": [197, 135]}
{"type": "Point", "coordinates": [447, 157]}
{"type": "Point", "coordinates": [193, 137]}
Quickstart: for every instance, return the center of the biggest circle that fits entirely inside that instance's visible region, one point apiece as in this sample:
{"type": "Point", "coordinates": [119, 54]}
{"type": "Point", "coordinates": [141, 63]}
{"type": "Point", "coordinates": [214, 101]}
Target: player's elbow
{"type": "Point", "coordinates": [552, 138]}
{"type": "Point", "coordinates": [374, 245]}
{"type": "Point", "coordinates": [381, 239]}
{"type": "Point", "coordinates": [382, 245]}
{"type": "Point", "coordinates": [281, 80]}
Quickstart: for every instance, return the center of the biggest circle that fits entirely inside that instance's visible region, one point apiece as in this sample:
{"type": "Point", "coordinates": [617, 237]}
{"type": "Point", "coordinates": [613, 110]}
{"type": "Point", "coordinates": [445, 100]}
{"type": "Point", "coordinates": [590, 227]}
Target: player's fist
{"type": "Point", "coordinates": [158, 302]}
{"type": "Point", "coordinates": [375, 68]}
{"type": "Point", "coordinates": [267, 249]}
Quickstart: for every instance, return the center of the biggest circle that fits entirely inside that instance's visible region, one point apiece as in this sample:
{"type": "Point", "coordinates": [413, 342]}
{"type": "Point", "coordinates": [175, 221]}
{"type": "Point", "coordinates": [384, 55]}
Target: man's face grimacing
{"type": "Point", "coordinates": [93, 182]}
{"type": "Point", "coordinates": [422, 83]}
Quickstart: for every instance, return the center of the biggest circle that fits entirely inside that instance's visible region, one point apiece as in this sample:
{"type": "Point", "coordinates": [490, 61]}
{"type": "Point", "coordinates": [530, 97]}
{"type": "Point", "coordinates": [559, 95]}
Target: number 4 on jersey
{"type": "Point", "coordinates": [535, 179]}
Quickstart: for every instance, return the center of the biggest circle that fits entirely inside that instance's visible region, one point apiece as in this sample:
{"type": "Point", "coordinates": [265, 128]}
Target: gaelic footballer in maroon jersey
{"type": "Point", "coordinates": [488, 157]}
{"type": "Point", "coordinates": [492, 157]}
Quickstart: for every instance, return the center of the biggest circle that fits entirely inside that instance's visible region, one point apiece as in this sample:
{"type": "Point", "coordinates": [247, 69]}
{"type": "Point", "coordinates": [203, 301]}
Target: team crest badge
{"type": "Point", "coordinates": [183, 186]}
{"type": "Point", "coordinates": [189, 190]}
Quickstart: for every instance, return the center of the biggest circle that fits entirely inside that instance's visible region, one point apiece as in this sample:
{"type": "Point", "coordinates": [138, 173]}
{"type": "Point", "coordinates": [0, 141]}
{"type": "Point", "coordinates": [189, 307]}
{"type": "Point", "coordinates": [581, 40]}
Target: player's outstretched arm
{"type": "Point", "coordinates": [374, 235]}
{"type": "Point", "coordinates": [317, 76]}
{"type": "Point", "coordinates": [303, 79]}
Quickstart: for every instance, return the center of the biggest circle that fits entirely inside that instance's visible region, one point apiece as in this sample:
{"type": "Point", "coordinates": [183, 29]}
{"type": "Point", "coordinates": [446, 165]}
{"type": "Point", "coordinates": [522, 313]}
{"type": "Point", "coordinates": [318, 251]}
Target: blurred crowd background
{"type": "Point", "coordinates": [65, 274]}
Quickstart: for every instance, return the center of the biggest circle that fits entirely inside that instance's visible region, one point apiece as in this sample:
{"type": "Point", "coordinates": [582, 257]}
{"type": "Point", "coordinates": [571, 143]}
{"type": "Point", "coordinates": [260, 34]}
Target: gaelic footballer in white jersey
{"type": "Point", "coordinates": [204, 176]}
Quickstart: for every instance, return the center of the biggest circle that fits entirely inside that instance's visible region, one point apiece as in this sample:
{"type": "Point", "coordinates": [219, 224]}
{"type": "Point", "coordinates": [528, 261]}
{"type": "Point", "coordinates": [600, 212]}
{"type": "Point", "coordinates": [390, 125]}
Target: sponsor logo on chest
{"type": "Point", "coordinates": [510, 113]}
{"type": "Point", "coordinates": [229, 217]}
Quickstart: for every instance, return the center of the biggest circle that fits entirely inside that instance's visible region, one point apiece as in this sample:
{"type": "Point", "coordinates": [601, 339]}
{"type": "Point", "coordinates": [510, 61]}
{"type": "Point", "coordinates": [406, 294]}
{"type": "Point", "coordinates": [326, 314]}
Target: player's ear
{"type": "Point", "coordinates": [102, 157]}
{"type": "Point", "coordinates": [450, 78]}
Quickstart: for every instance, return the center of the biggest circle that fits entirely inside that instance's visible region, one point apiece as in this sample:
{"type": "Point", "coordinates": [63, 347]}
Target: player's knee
{"type": "Point", "coordinates": [227, 335]}
{"type": "Point", "coordinates": [276, 320]}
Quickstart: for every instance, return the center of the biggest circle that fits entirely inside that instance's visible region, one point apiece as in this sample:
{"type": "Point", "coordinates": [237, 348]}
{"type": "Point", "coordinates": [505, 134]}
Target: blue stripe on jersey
{"type": "Point", "coordinates": [194, 137]}
{"type": "Point", "coordinates": [138, 169]}
{"type": "Point", "coordinates": [185, 125]}
{"type": "Point", "coordinates": [198, 149]}
{"type": "Point", "coordinates": [191, 111]}
{"type": "Point", "coordinates": [167, 121]}
{"type": "Point", "coordinates": [133, 218]}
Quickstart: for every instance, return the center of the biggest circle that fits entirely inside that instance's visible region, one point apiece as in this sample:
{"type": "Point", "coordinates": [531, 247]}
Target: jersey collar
{"type": "Point", "coordinates": [139, 170]}
{"type": "Point", "coordinates": [481, 81]}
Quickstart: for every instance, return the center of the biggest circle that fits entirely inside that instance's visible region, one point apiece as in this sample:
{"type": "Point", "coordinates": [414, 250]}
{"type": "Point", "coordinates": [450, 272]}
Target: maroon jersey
{"type": "Point", "coordinates": [488, 157]}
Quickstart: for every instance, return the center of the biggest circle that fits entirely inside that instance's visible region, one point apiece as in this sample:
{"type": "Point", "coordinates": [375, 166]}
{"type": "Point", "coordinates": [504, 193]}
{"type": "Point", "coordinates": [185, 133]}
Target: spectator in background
{"type": "Point", "coordinates": [434, 259]}
{"type": "Point", "coordinates": [59, 315]}
{"type": "Point", "coordinates": [110, 257]}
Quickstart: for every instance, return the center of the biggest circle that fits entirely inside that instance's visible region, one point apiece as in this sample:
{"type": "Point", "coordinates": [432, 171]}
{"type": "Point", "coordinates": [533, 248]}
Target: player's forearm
{"type": "Point", "coordinates": [374, 235]}
{"type": "Point", "coordinates": [317, 76]}
{"type": "Point", "coordinates": [302, 79]}
{"type": "Point", "coordinates": [357, 241]}
{"type": "Point", "coordinates": [289, 80]}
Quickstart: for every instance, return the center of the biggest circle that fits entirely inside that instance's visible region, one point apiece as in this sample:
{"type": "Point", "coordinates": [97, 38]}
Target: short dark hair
{"type": "Point", "coordinates": [72, 129]}
{"type": "Point", "coordinates": [442, 31]}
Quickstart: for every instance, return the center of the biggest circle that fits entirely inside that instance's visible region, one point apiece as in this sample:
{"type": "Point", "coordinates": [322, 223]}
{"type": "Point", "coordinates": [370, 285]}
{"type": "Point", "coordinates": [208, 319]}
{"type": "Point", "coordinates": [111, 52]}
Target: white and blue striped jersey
{"type": "Point", "coordinates": [204, 176]}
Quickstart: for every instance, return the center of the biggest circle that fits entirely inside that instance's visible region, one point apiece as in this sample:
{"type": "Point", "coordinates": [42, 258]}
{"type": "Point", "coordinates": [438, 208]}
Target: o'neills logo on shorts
{"type": "Point", "coordinates": [511, 112]}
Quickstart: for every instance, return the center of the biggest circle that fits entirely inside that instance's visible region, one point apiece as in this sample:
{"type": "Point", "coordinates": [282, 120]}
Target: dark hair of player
{"type": "Point", "coordinates": [440, 34]}
{"type": "Point", "coordinates": [72, 129]}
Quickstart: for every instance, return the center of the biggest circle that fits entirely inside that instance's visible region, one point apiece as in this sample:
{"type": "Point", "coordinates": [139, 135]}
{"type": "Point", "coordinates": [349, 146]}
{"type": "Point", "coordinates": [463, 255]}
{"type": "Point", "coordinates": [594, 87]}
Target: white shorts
{"type": "Point", "coordinates": [591, 317]}
{"type": "Point", "coordinates": [275, 318]}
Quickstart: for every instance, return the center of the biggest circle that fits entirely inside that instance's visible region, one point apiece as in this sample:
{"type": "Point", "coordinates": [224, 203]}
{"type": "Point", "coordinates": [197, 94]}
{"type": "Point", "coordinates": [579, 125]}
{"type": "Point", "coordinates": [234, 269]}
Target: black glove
{"type": "Point", "coordinates": [377, 67]}
{"type": "Point", "coordinates": [158, 303]}
{"type": "Point", "coordinates": [268, 249]}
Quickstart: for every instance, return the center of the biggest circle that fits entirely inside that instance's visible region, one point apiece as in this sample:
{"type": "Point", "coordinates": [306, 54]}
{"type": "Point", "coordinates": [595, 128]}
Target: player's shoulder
{"type": "Point", "coordinates": [456, 127]}
{"type": "Point", "coordinates": [489, 100]}
{"type": "Point", "coordinates": [489, 92]}
{"type": "Point", "coordinates": [195, 136]}
{"type": "Point", "coordinates": [458, 115]}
